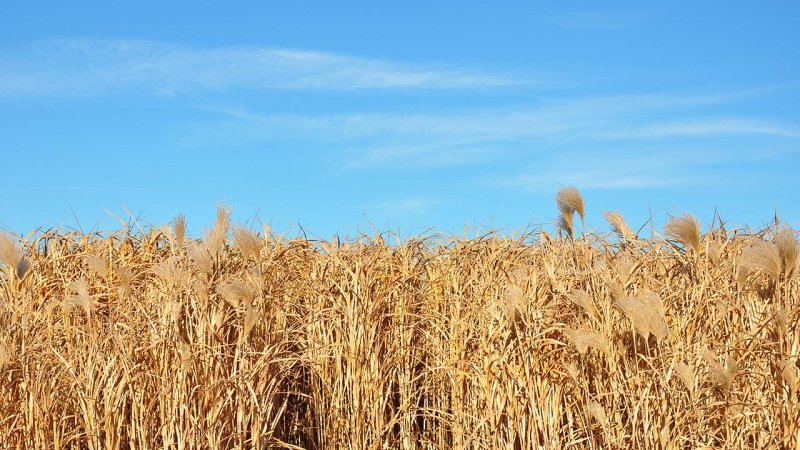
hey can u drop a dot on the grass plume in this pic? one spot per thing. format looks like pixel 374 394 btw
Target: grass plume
pixel 157 339
pixel 684 230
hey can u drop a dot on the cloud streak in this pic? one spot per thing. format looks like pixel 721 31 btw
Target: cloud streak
pixel 468 136
pixel 598 21
pixel 600 117
pixel 644 141
pixel 85 67
pixel 406 206
pixel 640 168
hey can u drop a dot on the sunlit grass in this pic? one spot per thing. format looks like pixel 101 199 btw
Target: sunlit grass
pixel 146 340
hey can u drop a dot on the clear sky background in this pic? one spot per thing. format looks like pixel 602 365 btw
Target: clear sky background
pixel 409 115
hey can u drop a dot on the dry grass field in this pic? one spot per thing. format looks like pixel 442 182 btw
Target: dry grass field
pixel 147 339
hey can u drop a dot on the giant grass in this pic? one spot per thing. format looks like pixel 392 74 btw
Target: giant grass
pixel 149 339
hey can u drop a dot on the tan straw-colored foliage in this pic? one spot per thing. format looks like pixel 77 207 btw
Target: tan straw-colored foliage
pixel 245 340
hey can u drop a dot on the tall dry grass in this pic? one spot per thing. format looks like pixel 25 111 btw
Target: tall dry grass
pixel 153 340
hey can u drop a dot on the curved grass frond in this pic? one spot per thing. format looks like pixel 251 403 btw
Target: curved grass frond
pixel 583 340
pixel 79 297
pixel 597 411
pixel 130 339
pixel 618 225
pixel 570 201
pixel 12 256
pixel 201 257
pixel 236 292
pixel 179 227
pixel 786 244
pixel 584 300
pixel 686 375
pixel 564 223
pixel 763 256
pixel 247 242
pixel 98 265
pixel 646 313
pixel 685 230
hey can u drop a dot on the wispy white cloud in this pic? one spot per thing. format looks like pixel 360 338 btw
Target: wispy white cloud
pixel 637 168
pixel 429 156
pixel 710 127
pixel 598 20
pixel 453 138
pixel 406 206
pixel 91 67
pixel 602 117
pixel 601 142
pixel 633 171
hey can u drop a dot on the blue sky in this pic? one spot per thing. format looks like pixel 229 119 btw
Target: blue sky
pixel 339 116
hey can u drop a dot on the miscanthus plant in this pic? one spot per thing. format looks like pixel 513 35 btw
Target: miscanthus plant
pixel 243 339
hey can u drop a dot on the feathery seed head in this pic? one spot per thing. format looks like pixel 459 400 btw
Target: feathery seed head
pixel 715 252
pixel 170 273
pixel 685 230
pixel 786 244
pixel 583 340
pixel 564 223
pixel 763 256
pixel 790 375
pixel 584 300
pixel 686 375
pixel 201 257
pixel 223 222
pixel 179 226
pixel 596 410
pixel 781 320
pixel 247 242
pixel 570 201
pixel 618 225
pixel 98 265
pixel 646 313
pixel 11 256
pixel 80 296
pixel 217 238
pixel 514 302
pixel 236 293
pixel 5 356
pixel 125 277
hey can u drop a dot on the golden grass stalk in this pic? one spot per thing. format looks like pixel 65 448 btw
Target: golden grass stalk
pixel 619 226
pixel 786 244
pixel 79 296
pixel 236 293
pixel 98 265
pixel 790 375
pixel 762 256
pixel 646 313
pixel 179 227
pixel 12 256
pixel 686 375
pixel 441 342
pixel 584 300
pixel 684 230
pixel 569 201
pixel 247 242
pixel 597 411
pixel 583 340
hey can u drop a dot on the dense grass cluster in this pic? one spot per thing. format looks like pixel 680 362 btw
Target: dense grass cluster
pixel 147 339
